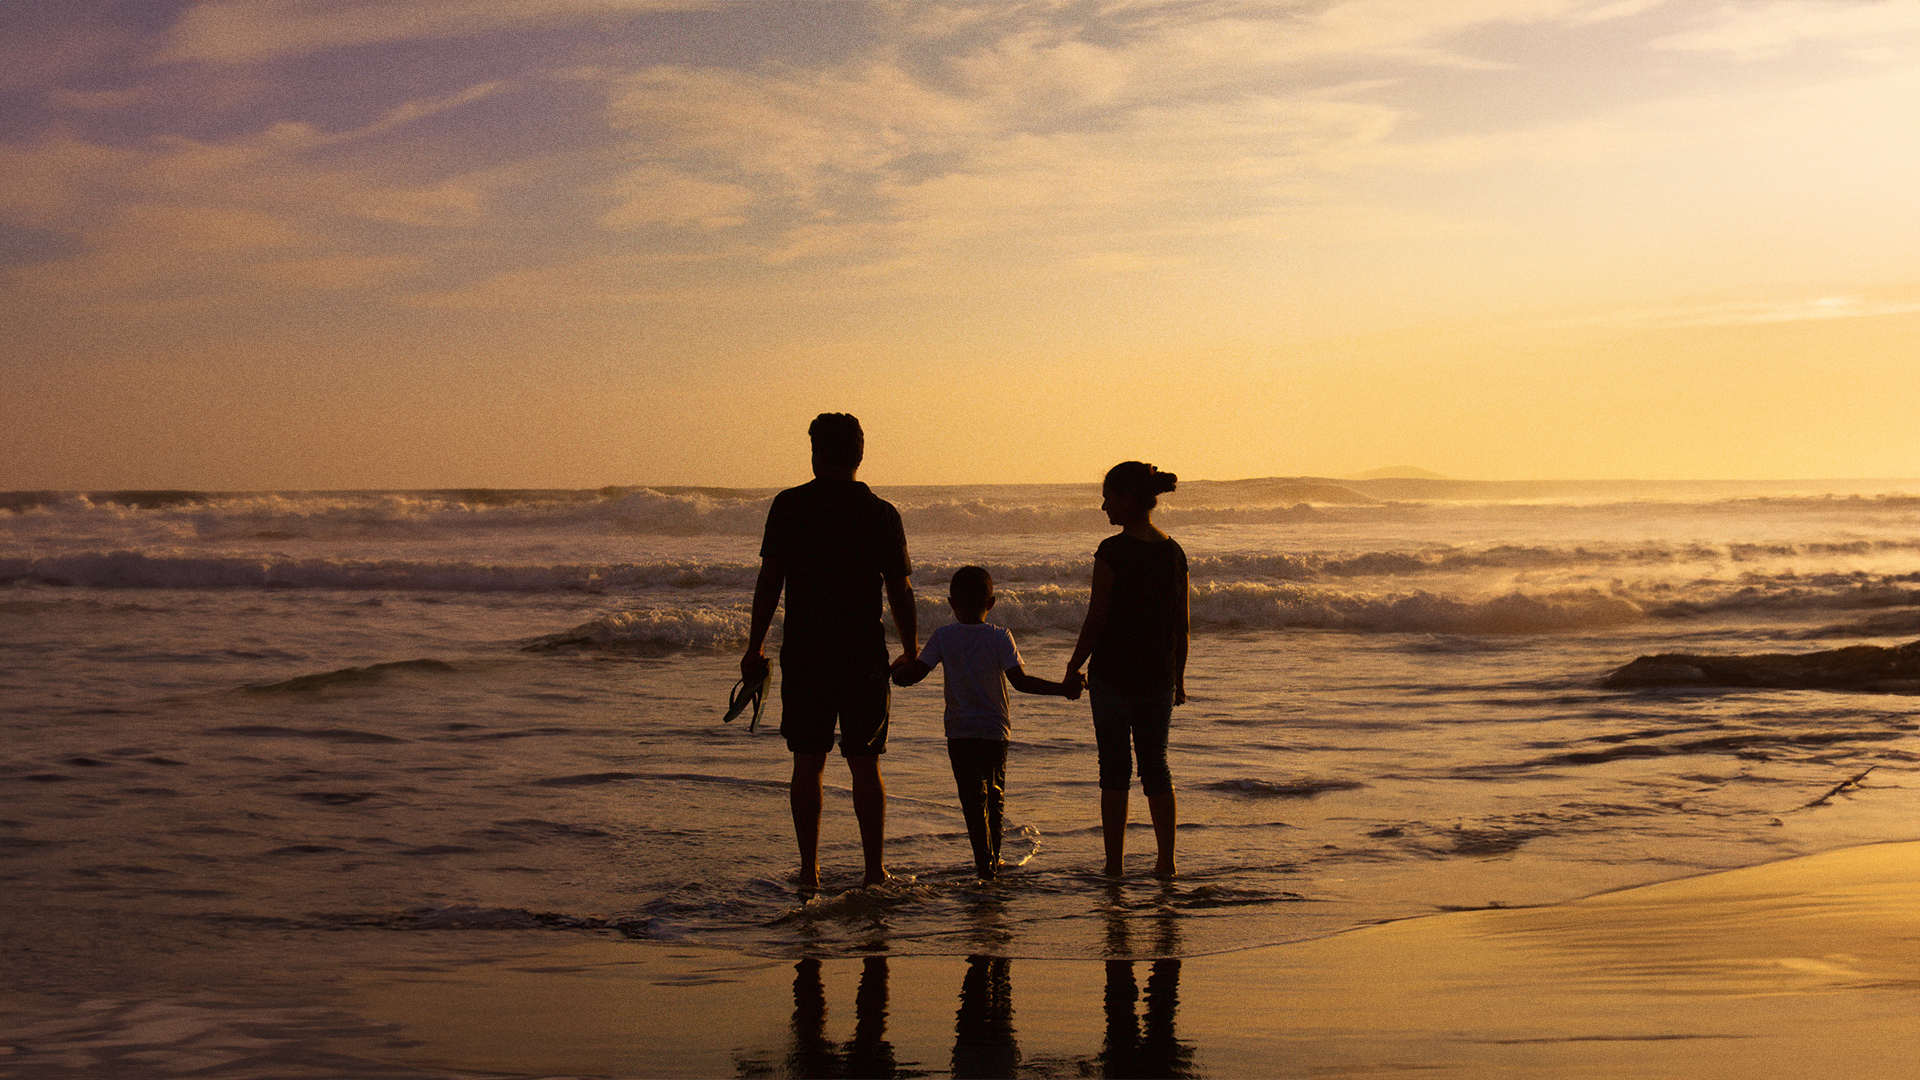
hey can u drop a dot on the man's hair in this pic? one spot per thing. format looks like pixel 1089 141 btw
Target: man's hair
pixel 971 586
pixel 838 440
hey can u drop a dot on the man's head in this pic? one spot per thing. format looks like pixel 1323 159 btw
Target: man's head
pixel 838 444
pixel 971 593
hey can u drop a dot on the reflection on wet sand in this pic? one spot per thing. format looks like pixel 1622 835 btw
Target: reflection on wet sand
pixel 1135 1043
pixel 984 1045
pixel 811 1054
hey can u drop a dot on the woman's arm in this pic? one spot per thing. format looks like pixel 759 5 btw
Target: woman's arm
pixel 1183 621
pixel 1097 605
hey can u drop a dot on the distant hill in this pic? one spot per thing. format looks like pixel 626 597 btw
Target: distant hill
pixel 1326 491
pixel 1274 491
pixel 1397 472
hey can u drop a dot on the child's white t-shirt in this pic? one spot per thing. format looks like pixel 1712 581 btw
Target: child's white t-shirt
pixel 977 656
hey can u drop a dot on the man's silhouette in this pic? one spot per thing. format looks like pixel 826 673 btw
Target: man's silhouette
pixel 834 547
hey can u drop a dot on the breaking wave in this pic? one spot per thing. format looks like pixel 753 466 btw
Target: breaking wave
pixel 652 629
pixel 155 517
pixel 1214 608
pixel 172 570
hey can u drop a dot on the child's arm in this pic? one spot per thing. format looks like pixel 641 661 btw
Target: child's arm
pixel 909 670
pixel 1027 684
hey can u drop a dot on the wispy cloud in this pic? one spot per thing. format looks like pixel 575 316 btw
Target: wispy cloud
pixel 1103 138
pixel 1874 29
pixel 243 31
pixel 1763 312
pixel 290 205
pixel 1032 128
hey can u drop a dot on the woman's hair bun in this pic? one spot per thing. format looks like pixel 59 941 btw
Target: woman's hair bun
pixel 1139 479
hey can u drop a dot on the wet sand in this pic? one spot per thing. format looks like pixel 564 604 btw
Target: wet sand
pixel 1804 968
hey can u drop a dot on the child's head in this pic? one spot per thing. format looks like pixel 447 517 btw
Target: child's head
pixel 971 593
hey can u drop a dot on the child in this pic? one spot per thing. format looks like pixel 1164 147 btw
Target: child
pixel 977 654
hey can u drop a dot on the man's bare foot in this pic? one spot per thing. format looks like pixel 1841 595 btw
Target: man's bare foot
pixel 1164 870
pixel 807 881
pixel 875 877
pixel 1113 870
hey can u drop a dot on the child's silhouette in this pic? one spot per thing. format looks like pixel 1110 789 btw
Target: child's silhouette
pixel 981 661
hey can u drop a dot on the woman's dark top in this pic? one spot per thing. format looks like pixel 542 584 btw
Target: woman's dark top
pixel 1145 614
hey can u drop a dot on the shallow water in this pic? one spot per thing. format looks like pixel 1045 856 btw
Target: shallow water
pixel 1395 710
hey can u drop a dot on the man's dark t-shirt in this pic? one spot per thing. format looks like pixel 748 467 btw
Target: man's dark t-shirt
pixel 1135 653
pixel 838 543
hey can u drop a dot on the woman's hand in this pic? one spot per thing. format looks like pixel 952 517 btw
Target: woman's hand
pixel 1179 693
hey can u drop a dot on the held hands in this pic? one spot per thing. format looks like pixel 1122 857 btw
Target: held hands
pixel 907 670
pixel 1073 684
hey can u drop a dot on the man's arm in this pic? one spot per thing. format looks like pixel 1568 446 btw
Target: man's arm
pixel 766 600
pixel 905 619
pixel 909 670
pixel 1028 684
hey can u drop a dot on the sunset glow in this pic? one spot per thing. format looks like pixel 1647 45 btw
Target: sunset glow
pixel 273 244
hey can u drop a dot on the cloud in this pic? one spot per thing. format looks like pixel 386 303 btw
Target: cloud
pixel 170 219
pixel 651 195
pixel 143 250
pixel 336 272
pixel 598 281
pixel 1885 29
pixel 1089 138
pixel 90 100
pixel 1122 137
pixel 244 31
pixel 1037 131
pixel 1763 313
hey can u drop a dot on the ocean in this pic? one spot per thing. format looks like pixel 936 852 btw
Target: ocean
pixel 490 710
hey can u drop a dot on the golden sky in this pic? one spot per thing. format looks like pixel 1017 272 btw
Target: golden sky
pixel 567 243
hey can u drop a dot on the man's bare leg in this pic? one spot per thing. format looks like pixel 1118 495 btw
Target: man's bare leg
pixel 803 792
pixel 1113 828
pixel 1162 809
pixel 870 807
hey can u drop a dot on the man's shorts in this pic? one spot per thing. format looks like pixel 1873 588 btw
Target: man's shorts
pixel 814 696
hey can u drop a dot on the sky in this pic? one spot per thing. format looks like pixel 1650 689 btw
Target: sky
pixel 307 244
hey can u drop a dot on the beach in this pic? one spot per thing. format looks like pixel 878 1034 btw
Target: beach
pixel 1805 968
pixel 435 783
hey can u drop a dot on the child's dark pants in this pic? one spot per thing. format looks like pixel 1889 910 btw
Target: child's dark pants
pixel 980 772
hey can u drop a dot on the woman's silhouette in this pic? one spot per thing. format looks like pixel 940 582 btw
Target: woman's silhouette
pixel 1136 633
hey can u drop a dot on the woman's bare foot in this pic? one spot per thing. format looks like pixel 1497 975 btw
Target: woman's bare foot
pixel 1114 871
pixel 1164 870
pixel 875 877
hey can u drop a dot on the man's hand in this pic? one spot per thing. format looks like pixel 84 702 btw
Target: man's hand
pixel 754 665
pixel 1074 682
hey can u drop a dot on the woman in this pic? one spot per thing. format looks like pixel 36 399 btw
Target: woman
pixel 1136 632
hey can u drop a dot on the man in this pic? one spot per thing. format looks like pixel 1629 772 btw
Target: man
pixel 834 546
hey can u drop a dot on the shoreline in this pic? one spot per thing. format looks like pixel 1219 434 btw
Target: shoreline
pixel 1809 959
pixel 1805 966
